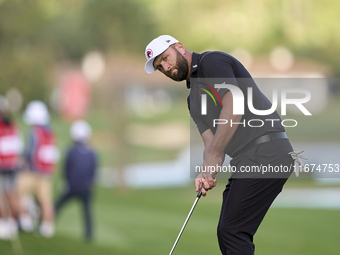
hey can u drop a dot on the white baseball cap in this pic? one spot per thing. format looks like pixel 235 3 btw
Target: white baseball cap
pixel 81 131
pixel 156 47
pixel 36 113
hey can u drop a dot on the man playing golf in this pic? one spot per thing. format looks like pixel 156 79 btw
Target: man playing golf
pixel 247 196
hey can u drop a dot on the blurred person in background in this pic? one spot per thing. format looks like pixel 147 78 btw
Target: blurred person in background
pixel 80 170
pixel 40 159
pixel 10 154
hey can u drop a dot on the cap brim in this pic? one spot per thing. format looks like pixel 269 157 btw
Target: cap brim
pixel 149 68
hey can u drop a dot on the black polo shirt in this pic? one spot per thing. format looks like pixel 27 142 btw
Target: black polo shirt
pixel 210 68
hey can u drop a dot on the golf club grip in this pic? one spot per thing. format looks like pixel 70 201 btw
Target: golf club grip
pixel 199 194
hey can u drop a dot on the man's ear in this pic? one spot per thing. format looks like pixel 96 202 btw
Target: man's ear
pixel 180 47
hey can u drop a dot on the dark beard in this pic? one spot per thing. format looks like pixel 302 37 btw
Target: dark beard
pixel 182 67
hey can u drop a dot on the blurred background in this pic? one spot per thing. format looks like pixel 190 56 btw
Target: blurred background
pixel 85 60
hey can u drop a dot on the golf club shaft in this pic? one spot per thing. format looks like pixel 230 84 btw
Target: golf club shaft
pixel 187 219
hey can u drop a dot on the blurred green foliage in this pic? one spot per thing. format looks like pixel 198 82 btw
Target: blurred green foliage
pixel 35 35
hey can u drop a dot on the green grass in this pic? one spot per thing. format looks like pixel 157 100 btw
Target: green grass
pixel 32 244
pixel 148 221
pixel 299 231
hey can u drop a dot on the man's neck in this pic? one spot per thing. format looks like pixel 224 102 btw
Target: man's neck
pixel 188 56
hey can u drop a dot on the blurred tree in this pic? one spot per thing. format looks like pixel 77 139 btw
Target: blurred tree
pixel 308 27
pixel 37 34
pixel 24 59
pixel 120 25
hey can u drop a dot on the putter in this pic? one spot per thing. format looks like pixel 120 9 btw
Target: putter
pixel 199 194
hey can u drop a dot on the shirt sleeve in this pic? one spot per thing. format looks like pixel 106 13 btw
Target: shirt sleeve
pixel 218 67
pixel 200 124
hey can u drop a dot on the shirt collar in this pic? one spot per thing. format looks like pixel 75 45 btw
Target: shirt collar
pixel 194 66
